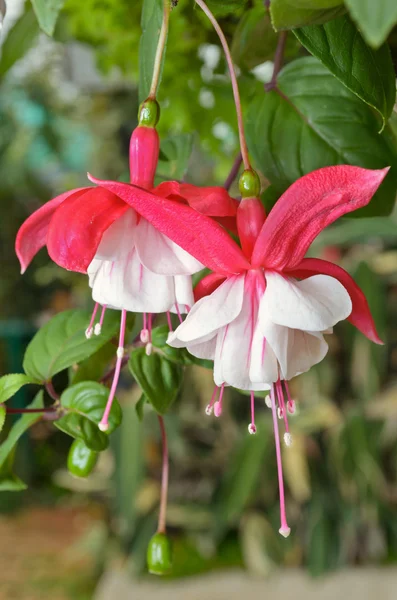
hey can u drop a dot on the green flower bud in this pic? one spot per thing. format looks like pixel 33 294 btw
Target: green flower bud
pixel 149 113
pixel 81 460
pixel 249 184
pixel 159 554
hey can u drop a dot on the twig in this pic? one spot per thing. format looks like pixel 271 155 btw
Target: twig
pixel 233 172
pixel 164 479
pixel 17 411
pixel 278 61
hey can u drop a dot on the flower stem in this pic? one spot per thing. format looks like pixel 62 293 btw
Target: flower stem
pixel 51 391
pixel 236 93
pixel 164 479
pixel 20 411
pixel 160 50
pixel 233 172
pixel 278 60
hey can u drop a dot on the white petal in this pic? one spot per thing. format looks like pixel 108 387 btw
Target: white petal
pixel 118 239
pixel 212 312
pixel 314 304
pixel 264 367
pixel 127 284
pixel 297 351
pixel 160 255
pixel 205 349
pixel 183 293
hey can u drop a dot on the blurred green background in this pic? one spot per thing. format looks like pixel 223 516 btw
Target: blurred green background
pixel 68 105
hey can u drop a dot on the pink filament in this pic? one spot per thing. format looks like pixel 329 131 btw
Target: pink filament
pixel 284 524
pixel 102 315
pixel 169 321
pixel 104 420
pixel 144 321
pixel 150 326
pixel 280 397
pixel 94 312
pixel 253 409
pixel 178 312
pixel 218 405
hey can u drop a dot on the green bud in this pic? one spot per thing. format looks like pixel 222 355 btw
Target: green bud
pixel 249 184
pixel 149 113
pixel 81 460
pixel 159 554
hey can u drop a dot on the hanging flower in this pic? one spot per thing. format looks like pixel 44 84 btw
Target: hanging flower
pixel 131 265
pixel 261 316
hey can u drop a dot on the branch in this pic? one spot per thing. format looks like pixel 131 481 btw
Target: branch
pixel 278 61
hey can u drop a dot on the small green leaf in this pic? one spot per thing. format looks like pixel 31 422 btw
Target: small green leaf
pixel 10 384
pixel 3 414
pixel 140 406
pixel 316 122
pixel 9 481
pixel 223 8
pixel 62 343
pixel 288 14
pixel 19 40
pixel 94 367
pixel 85 403
pixel 178 355
pixel 255 25
pixel 158 377
pixel 375 18
pixel 176 151
pixel 47 12
pixel 367 73
pixel 152 17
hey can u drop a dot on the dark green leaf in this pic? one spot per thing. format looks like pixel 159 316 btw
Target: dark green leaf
pixel 288 14
pixel 316 122
pixel 85 403
pixel 94 367
pixel 152 17
pixel 178 355
pixel 367 73
pixel 140 406
pixel 19 40
pixel 9 481
pixel 62 343
pixel 254 40
pixel 222 8
pixel 10 384
pixel 47 12
pixel 176 151
pixel 375 18
pixel 3 414
pixel 158 377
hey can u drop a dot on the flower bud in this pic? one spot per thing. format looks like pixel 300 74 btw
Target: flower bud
pixel 249 184
pixel 159 554
pixel 81 459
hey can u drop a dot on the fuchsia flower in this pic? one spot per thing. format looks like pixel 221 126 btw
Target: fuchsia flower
pixel 131 265
pixel 262 314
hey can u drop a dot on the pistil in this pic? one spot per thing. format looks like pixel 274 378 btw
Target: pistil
pixel 284 529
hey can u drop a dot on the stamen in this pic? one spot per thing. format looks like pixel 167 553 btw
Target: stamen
pixel 90 329
pixel 169 321
pixel 268 401
pixel 148 348
pixel 104 424
pixel 283 411
pixel 98 326
pixel 218 405
pixel 209 408
pixel 144 336
pixel 284 529
pixel 178 312
pixel 291 404
pixel 288 439
pixel 252 426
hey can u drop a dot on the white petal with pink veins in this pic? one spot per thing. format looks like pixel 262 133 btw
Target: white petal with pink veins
pixel 297 351
pixel 263 368
pixel 314 304
pixel 159 254
pixel 127 284
pixel 183 293
pixel 212 312
pixel 119 239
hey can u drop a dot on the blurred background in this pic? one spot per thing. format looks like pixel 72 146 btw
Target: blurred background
pixel 68 105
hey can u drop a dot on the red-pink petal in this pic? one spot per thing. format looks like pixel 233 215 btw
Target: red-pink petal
pixel 360 316
pixel 207 285
pixel 251 216
pixel 307 207
pixel 211 201
pixel 77 226
pixel 32 235
pixel 144 155
pixel 199 235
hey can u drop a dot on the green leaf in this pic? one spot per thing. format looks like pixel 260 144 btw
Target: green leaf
pixel 152 17
pixel 10 384
pixel 367 73
pixel 9 481
pixel 62 343
pixel 140 406
pixel 316 122
pixel 375 18
pixel 95 366
pixel 255 25
pixel 175 153
pixel 3 414
pixel 158 377
pixel 19 40
pixel 85 403
pixel 288 14
pixel 178 355
pixel 47 12
pixel 222 8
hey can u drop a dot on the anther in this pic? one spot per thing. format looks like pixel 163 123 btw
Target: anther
pixel 268 401
pixel 103 426
pixel 148 348
pixel 288 439
pixel 251 428
pixel 280 413
pixel 284 531
pixel 218 408
pixel 88 333
pixel 144 336
pixel 209 410
pixel 291 407
pixel 120 352
pixel 98 329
